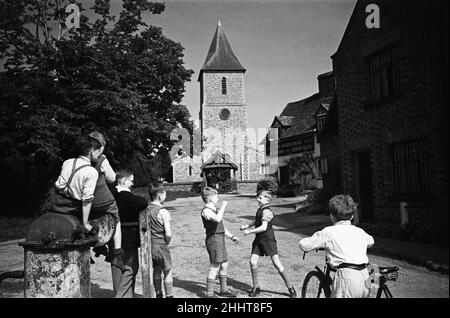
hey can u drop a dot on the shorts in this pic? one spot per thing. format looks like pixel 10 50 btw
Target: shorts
pixel 350 283
pixel 111 209
pixel 264 248
pixel 161 256
pixel 215 245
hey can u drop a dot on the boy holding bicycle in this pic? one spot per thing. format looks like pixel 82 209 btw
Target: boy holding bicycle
pixel 346 249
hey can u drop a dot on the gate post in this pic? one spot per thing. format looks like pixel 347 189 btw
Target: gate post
pixel 145 255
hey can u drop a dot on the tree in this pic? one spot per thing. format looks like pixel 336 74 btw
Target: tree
pixel 117 75
pixel 302 171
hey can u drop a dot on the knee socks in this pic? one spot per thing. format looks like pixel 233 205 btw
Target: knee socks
pixel 157 284
pixel 168 288
pixel 254 271
pixel 223 283
pixel 210 286
pixel 285 278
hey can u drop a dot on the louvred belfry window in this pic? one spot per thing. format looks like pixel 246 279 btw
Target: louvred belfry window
pixel 224 86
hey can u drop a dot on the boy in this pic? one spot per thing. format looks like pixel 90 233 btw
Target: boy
pixel 215 242
pixel 73 192
pixel 161 235
pixel 104 203
pixel 130 206
pixel 265 242
pixel 346 247
pixel 74 189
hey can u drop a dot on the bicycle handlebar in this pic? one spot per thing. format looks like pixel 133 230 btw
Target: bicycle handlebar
pixel 317 250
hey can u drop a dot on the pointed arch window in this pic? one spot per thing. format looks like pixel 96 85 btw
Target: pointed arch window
pixel 224 86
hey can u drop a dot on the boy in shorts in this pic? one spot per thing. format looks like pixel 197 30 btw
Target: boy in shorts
pixel 264 243
pixel 346 249
pixel 161 235
pixel 215 242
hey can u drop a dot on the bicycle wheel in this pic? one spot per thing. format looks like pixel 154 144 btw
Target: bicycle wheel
pixel 313 286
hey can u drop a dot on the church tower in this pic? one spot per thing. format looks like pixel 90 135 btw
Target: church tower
pixel 226 151
pixel 223 111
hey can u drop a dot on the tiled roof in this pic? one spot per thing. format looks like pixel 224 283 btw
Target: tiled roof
pixel 303 113
pixel 220 56
pixel 219 160
pixel 285 120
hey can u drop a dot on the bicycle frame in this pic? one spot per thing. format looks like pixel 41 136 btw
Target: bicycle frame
pixel 384 288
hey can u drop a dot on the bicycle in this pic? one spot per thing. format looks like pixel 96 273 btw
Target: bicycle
pixel 317 283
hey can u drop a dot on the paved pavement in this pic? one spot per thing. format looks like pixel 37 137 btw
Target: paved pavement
pixel 191 261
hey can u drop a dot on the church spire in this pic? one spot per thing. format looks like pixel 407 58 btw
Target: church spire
pixel 220 56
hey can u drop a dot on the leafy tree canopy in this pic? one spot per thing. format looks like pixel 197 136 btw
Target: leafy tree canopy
pixel 114 74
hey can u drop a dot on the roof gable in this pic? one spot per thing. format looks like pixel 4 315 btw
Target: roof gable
pixel 303 113
pixel 219 160
pixel 220 56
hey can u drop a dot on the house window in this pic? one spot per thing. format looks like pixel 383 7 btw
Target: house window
pixel 320 122
pixel 384 75
pixel 411 168
pixel 190 170
pixel 322 167
pixel 261 169
pixel 224 86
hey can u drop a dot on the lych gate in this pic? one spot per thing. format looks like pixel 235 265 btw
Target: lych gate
pixel 216 173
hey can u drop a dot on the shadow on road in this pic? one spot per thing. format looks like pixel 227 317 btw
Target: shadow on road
pixel 297 223
pixel 191 286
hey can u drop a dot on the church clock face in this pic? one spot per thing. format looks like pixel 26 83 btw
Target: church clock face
pixel 224 114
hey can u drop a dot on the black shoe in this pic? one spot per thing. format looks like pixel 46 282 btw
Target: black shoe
pixel 254 292
pixel 159 295
pixel 171 296
pixel 227 293
pixel 292 292
pixel 100 250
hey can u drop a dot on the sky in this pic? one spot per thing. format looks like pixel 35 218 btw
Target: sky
pixel 283 44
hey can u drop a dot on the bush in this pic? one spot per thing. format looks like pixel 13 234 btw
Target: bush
pixel 415 232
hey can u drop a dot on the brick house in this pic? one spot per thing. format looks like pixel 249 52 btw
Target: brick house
pixel 392 111
pixel 298 126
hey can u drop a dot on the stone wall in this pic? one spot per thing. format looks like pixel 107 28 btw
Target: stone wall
pixel 213 88
pixel 247 186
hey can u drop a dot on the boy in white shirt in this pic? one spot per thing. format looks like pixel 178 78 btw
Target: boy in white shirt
pixel 346 249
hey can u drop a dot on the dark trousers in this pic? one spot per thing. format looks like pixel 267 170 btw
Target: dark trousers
pixel 124 283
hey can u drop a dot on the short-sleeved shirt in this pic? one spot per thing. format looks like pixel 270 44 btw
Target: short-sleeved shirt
pixel 163 215
pixel 208 213
pixel 106 168
pixel 83 182
pixel 343 243
pixel 267 215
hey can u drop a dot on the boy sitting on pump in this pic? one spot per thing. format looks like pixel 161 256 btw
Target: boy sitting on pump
pixel 346 247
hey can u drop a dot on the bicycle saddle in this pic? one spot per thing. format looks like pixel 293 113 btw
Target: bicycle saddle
pixel 388 270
